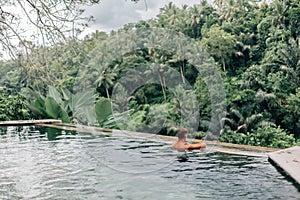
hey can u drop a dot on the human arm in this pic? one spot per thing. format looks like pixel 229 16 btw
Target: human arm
pixel 196 146
pixel 180 146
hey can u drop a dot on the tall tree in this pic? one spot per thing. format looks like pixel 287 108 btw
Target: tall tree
pixel 291 119
pixel 219 44
pixel 279 9
pixel 289 56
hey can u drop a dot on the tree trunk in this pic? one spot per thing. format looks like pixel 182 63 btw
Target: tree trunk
pixel 224 66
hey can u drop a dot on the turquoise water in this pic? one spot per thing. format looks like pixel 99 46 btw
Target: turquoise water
pixel 53 164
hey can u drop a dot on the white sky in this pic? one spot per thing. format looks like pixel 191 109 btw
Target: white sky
pixel 114 14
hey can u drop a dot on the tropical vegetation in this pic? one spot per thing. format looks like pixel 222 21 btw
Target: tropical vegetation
pixel 255 48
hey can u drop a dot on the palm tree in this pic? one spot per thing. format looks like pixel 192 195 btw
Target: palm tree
pixel 219 4
pixel 267 100
pixel 239 123
pixel 225 9
pixel 289 56
pixel 169 13
pixel 173 17
pixel 279 10
pixel 194 21
pixel 106 80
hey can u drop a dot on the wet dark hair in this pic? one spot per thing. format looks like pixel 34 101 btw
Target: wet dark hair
pixel 181 132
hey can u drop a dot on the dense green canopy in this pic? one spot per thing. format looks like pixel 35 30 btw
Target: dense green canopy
pixel 256 52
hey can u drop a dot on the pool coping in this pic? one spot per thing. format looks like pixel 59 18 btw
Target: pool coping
pixel 222 147
pixel 29 122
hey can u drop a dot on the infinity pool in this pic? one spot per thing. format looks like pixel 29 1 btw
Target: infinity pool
pixel 53 164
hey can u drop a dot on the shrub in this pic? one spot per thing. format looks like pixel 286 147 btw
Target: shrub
pixel 13 106
pixel 233 137
pixel 271 137
pixel 266 136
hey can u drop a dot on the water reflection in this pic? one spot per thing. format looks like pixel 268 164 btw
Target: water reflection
pixel 55 134
pixel 51 164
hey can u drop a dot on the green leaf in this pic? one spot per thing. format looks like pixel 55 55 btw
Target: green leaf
pixel 55 95
pixel 103 109
pixel 90 115
pixel 81 100
pixel 35 110
pixel 65 117
pixel 66 94
pixel 37 95
pixel 82 107
pixel 52 107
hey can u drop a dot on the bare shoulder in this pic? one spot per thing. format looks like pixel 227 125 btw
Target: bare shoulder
pixel 180 146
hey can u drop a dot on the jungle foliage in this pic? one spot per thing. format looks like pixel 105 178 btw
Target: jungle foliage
pixel 255 45
pixel 12 106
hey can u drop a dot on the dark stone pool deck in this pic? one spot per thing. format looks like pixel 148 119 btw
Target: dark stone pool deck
pixel 289 161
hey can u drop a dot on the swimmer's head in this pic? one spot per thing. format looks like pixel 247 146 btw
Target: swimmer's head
pixel 181 133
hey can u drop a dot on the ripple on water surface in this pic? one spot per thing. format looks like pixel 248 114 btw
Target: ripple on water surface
pixel 54 164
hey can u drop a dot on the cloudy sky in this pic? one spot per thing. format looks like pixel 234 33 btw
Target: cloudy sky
pixel 113 14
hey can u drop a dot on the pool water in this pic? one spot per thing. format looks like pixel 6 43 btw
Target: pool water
pixel 54 164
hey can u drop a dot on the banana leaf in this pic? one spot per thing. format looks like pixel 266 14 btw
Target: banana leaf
pixel 103 109
pixel 64 116
pixel 55 95
pixel 66 93
pixel 52 107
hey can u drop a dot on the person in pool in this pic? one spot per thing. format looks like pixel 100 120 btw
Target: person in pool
pixel 182 145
